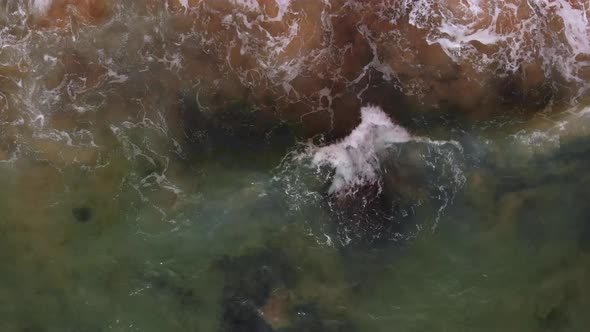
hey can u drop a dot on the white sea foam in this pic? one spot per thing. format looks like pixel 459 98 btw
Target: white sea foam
pixel 184 3
pixel 283 6
pixel 573 123
pixel 40 6
pixel 251 5
pixel 355 158
pixel 553 32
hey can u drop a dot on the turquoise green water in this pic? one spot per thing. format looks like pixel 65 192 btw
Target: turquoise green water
pixel 511 253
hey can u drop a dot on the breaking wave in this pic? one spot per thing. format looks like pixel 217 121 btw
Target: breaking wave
pixel 376 181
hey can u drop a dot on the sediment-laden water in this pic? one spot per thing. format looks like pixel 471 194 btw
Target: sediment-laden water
pixel 290 165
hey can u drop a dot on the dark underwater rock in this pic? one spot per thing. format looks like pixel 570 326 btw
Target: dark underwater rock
pixel 367 216
pixel 286 287
pixel 249 281
pixel 555 320
pixel 243 317
pixel 82 214
pixel 176 289
pixel 416 182
pixel 234 131
pixel 553 304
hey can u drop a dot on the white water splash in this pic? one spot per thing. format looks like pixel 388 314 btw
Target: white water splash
pixel 355 158
pixel 40 6
pixel 371 157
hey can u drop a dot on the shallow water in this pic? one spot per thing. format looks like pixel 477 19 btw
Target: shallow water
pixel 206 166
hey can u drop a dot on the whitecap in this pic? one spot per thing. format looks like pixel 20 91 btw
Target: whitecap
pixel 355 158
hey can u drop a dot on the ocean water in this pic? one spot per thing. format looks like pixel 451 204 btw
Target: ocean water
pixel 288 165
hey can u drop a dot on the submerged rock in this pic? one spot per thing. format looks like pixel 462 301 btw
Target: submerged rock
pixel 242 317
pixel 82 214
pixel 288 286
pixel 250 280
pixel 555 319
pixel 233 129
pixel 276 308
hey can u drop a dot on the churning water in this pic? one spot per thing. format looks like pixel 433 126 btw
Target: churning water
pixel 292 165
